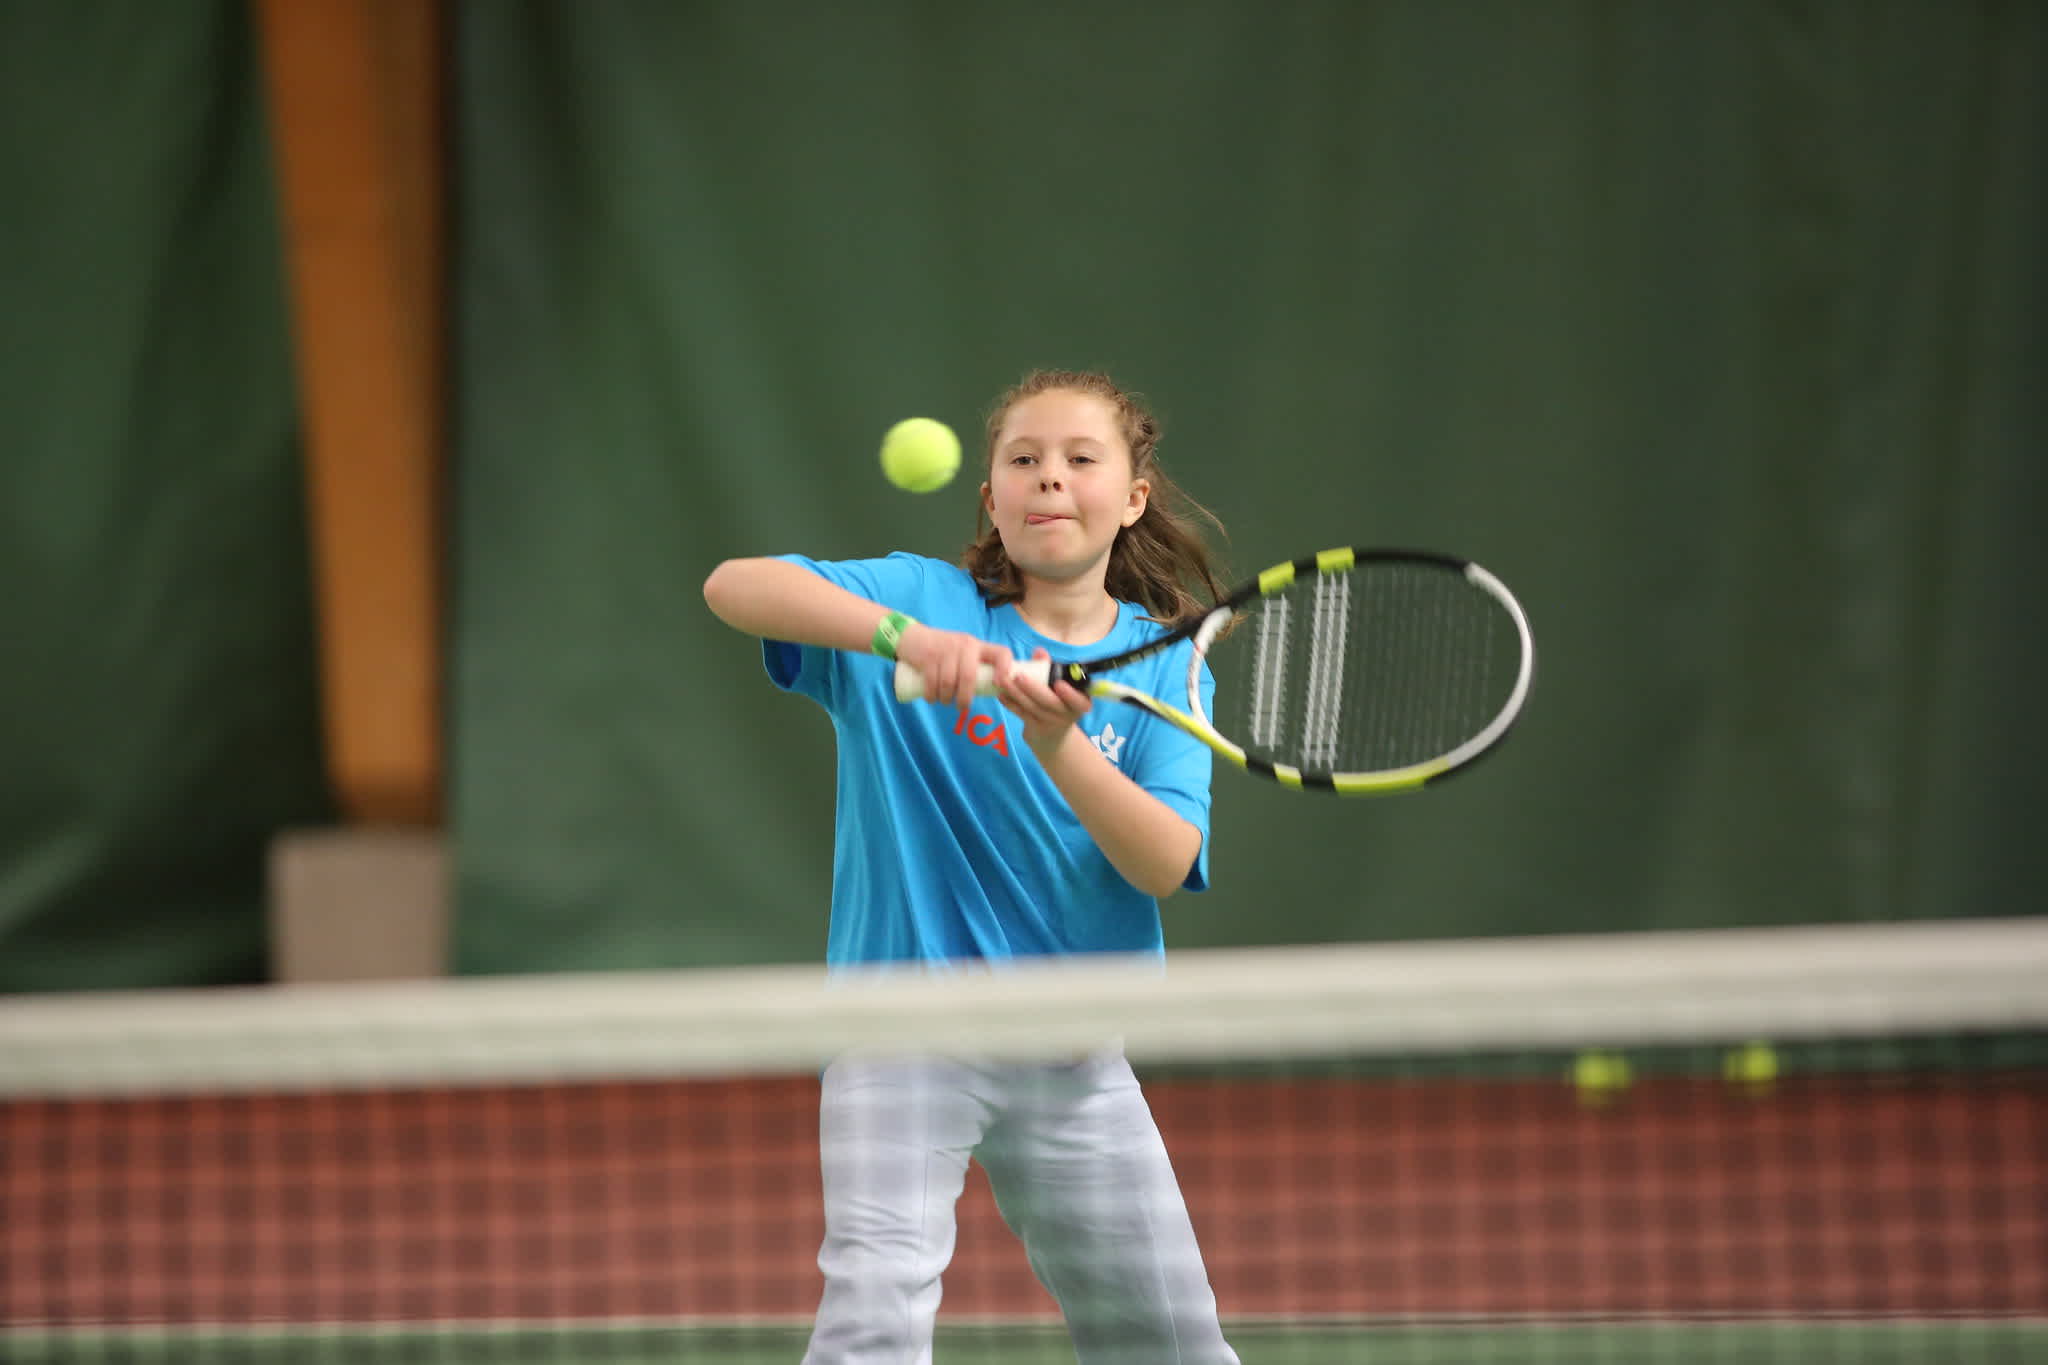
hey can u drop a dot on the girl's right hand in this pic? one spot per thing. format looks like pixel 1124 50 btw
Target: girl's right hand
pixel 950 662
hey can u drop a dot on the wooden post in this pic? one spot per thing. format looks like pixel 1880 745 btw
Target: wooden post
pixel 355 92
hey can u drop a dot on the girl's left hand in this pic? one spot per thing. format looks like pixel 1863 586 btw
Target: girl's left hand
pixel 1048 713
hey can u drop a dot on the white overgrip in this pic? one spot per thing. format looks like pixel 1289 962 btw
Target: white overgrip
pixel 910 682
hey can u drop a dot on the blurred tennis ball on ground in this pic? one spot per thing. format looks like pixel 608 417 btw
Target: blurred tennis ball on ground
pixel 1753 1067
pixel 920 455
pixel 1601 1077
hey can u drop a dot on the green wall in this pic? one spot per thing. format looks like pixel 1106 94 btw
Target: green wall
pixel 157 715
pixel 1715 329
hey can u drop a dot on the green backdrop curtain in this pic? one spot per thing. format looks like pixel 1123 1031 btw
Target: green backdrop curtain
pixel 1715 329
pixel 156 704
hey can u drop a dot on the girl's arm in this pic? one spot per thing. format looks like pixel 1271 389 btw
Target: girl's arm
pixel 778 600
pixel 1144 838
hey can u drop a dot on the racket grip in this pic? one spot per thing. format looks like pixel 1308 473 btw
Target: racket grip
pixel 910 682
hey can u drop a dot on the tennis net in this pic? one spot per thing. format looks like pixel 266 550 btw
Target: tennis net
pixel 1792 1145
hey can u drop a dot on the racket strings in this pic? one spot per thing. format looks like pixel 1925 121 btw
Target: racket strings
pixel 1397 664
pixel 1323 706
pixel 1266 720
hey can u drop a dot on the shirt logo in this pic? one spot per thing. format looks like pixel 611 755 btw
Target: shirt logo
pixel 1110 743
pixel 986 731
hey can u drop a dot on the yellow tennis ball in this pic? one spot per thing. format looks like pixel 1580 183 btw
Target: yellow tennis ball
pixel 1754 1065
pixel 920 455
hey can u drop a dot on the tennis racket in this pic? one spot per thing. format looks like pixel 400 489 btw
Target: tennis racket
pixel 1359 672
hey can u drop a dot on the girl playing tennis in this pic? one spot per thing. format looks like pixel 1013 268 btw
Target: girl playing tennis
pixel 983 830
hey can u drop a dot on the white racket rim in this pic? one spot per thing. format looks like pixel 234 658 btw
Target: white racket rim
pixel 1479 743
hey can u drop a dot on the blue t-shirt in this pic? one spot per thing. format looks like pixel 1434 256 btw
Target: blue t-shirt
pixel 953 844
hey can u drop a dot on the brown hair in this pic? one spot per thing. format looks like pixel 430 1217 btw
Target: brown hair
pixel 1157 560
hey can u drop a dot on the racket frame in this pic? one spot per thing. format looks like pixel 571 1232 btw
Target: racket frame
pixel 1202 632
pixel 1379 782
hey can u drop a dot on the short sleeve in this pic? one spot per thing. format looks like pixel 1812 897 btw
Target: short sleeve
pixel 900 581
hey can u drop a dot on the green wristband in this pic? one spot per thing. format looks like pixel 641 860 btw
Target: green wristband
pixel 889 632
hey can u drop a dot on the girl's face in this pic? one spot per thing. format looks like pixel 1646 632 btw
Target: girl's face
pixel 1059 486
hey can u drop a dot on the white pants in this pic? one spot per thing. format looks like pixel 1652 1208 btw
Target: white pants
pixel 1079 1173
